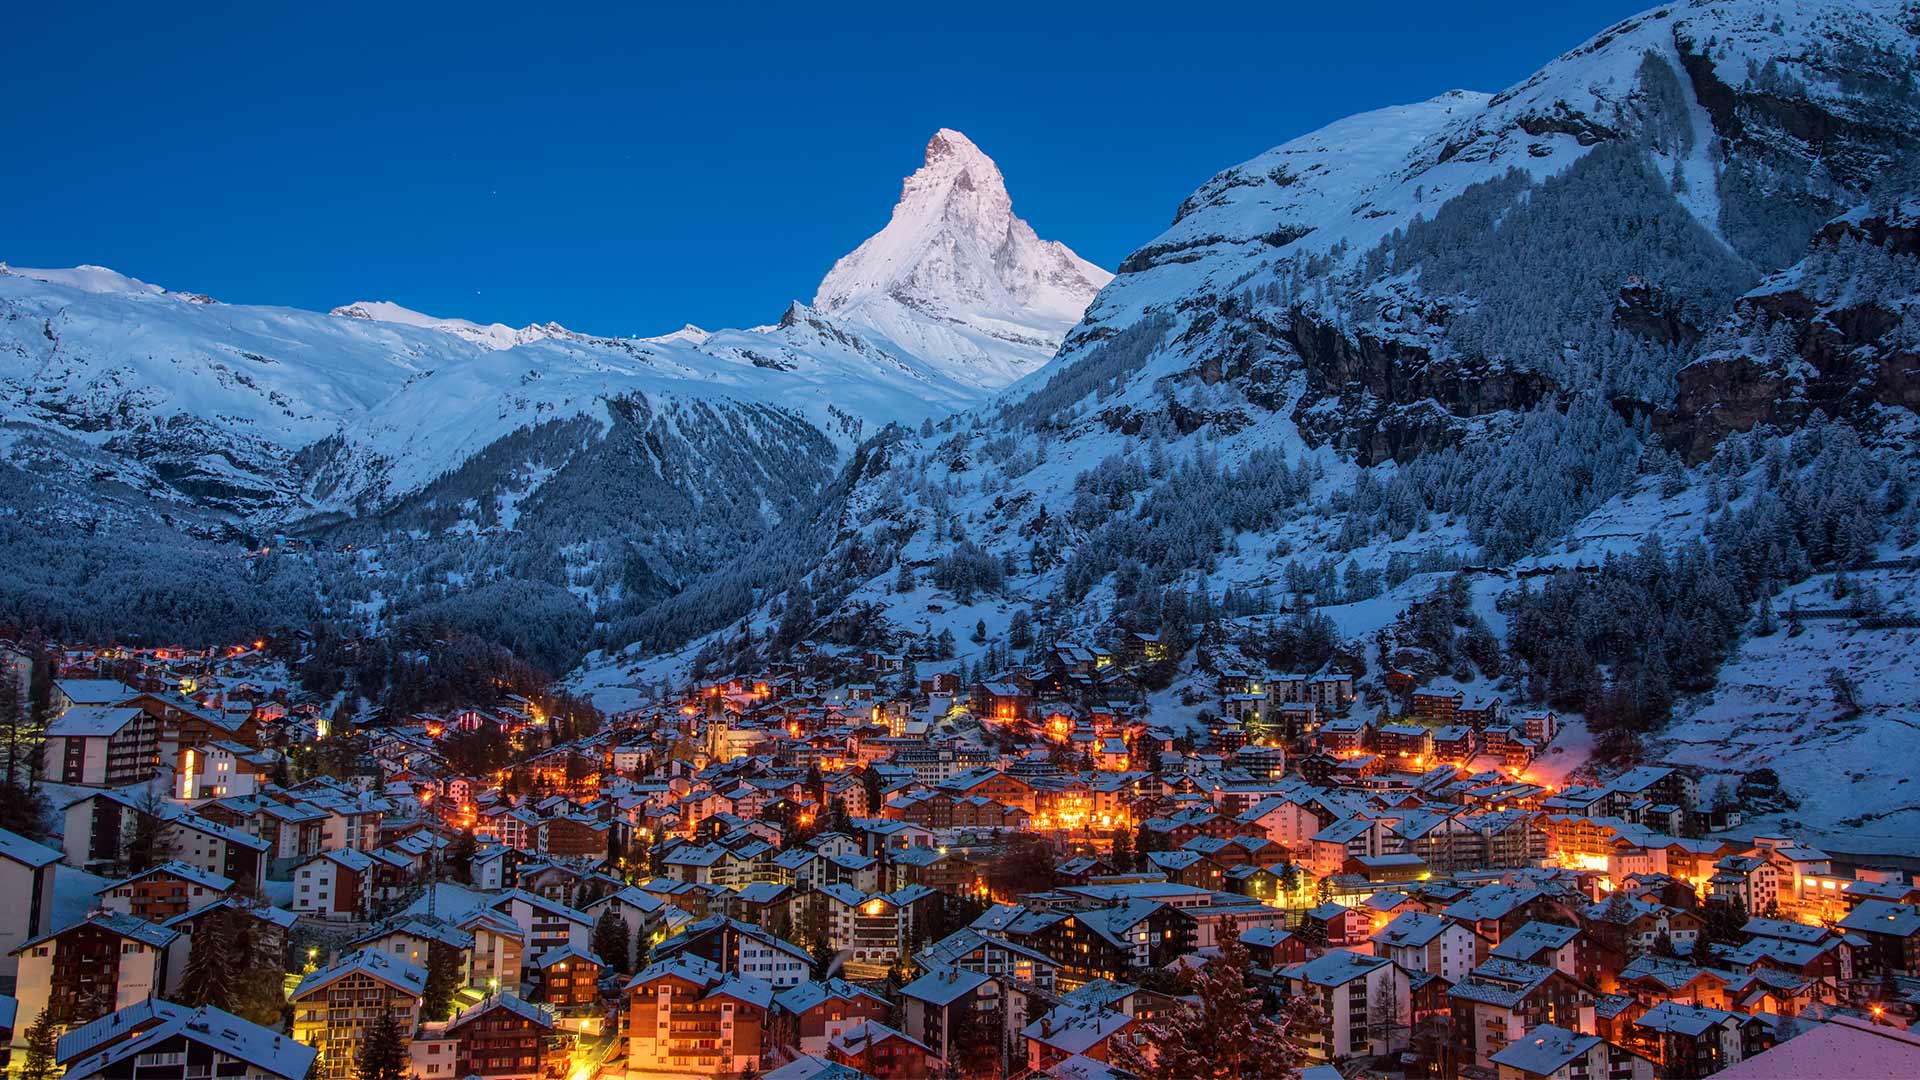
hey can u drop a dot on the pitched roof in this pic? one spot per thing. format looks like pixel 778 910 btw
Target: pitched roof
pixel 1335 968
pixel 944 986
pixel 1544 1050
pixel 391 970
pixel 95 721
pixel 263 1048
pixel 1881 917
pixel 1843 1046
pixel 810 994
pixel 511 1002
pixel 22 850
pixel 177 869
pixel 115 1025
pixel 1415 929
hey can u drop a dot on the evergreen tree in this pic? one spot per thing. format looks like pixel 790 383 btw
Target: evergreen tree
pixel 460 857
pixel 974 1042
pixel 1020 630
pixel 443 980
pixel 1222 1029
pixel 838 820
pixel 214 964
pixel 383 1051
pixel 263 992
pixel 41 1039
pixel 611 941
pixel 13 718
pixel 1721 921
pixel 24 810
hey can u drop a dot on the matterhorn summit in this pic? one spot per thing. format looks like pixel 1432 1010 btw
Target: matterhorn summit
pixel 956 280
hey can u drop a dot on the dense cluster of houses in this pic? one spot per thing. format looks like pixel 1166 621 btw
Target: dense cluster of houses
pixel 863 864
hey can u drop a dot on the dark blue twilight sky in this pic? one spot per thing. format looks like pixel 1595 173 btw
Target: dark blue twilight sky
pixel 629 170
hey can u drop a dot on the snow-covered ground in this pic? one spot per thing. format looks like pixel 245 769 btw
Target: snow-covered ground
pixel 1856 774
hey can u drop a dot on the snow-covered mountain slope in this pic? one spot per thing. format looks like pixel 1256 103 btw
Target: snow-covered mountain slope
pixel 1842 747
pixel 956 280
pixel 1419 339
pixel 273 415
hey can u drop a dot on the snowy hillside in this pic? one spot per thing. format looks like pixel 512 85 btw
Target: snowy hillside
pixel 597 475
pixel 1847 765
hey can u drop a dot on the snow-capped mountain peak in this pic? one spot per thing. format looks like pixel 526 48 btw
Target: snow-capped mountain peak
pixel 957 279
pixel 491 335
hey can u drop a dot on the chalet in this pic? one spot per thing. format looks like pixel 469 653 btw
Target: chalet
pixel 740 949
pixel 1002 702
pixel 935 1003
pixel 1419 942
pixel 1551 1052
pixel 812 1014
pixel 104 962
pixel 1345 736
pixel 499 944
pixel 685 1014
pixel 1892 932
pixel 1271 948
pixel 1107 942
pixel 544 924
pixel 569 978
pixel 989 953
pixel 1494 911
pixel 1455 742
pixel 102 746
pixel 204 1042
pixel 334 1006
pixel 413 938
pixel 503 1038
pixel 875 1049
pixel 1690 1040
pixel 1075 1030
pixel 1336 925
pixel 1404 741
pixel 1500 1000
pixel 221 768
pixel 1478 714
pixel 869 924
pixel 1437 706
pixel 172 888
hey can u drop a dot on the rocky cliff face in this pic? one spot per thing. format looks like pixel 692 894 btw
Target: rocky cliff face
pixel 1836 332
pixel 1386 399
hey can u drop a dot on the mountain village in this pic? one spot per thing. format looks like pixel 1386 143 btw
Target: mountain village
pixel 861 863
pixel 1443 609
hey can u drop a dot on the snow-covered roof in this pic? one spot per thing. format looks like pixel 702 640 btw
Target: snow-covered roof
pixel 1843 1046
pixel 264 1049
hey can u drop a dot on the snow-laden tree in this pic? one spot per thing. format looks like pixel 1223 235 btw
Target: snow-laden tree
pixel 1221 1029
